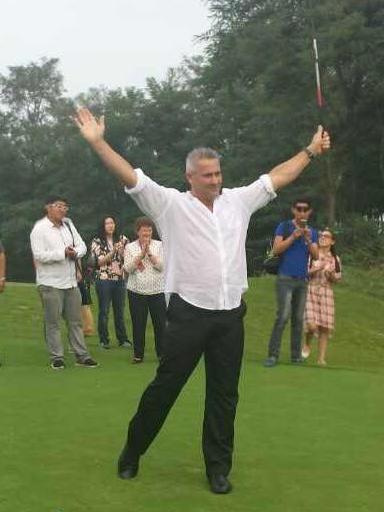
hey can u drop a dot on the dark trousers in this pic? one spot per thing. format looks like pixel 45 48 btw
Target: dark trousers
pixel 291 296
pixel 138 307
pixel 191 332
pixel 109 291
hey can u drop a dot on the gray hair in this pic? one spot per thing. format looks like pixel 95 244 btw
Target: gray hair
pixel 199 154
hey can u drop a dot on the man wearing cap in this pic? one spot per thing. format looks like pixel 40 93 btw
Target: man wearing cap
pixel 56 247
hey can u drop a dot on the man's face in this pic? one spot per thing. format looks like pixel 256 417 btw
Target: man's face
pixel 57 211
pixel 301 212
pixel 206 179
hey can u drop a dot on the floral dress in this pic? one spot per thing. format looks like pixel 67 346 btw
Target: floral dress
pixel 320 305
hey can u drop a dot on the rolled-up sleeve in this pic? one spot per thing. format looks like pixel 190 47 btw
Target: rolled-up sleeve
pixel 152 198
pixel 257 194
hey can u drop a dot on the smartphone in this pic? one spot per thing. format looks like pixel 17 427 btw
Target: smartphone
pixel 303 223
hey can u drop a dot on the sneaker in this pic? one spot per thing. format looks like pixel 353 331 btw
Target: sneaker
pixel 58 364
pixel 137 360
pixel 87 363
pixel 270 361
pixel 126 344
pixel 105 346
pixel 297 360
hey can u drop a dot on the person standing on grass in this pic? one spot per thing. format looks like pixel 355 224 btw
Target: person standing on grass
pixel 203 233
pixel 143 262
pixel 319 318
pixel 56 247
pixel 3 277
pixel 2 269
pixel 108 249
pixel 295 242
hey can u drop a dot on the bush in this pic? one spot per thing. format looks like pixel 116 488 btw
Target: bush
pixel 360 242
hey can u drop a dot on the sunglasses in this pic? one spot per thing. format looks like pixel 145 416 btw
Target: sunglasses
pixel 303 209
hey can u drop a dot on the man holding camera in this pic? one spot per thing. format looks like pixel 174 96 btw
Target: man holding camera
pixel 56 247
pixel 295 242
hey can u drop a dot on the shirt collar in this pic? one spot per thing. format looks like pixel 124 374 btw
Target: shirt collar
pixel 52 225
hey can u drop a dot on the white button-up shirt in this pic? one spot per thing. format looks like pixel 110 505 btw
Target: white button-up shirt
pixel 48 244
pixel 204 251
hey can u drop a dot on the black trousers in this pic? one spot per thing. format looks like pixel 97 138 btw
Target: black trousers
pixel 138 306
pixel 191 332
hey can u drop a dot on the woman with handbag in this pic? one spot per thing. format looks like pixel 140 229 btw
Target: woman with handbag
pixel 319 318
pixel 108 248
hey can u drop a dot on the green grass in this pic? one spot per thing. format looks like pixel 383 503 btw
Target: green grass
pixel 307 438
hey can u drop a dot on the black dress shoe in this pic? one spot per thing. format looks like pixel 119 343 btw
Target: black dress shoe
pixel 219 484
pixel 128 464
pixel 129 471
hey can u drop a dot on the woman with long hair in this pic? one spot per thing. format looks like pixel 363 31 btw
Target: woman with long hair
pixel 108 248
pixel 319 315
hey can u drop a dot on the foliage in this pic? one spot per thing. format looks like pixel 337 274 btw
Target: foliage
pixel 360 241
pixel 260 73
pixel 251 96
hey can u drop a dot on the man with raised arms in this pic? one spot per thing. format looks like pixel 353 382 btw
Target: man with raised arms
pixel 203 233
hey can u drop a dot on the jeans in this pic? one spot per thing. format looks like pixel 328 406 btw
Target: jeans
pixel 109 291
pixel 291 294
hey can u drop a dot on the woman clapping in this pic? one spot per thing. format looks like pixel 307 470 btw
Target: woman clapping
pixel 143 261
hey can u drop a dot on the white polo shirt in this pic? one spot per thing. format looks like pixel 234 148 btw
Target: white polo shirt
pixel 204 251
pixel 48 243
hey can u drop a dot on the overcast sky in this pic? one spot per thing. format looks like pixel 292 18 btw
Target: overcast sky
pixel 115 43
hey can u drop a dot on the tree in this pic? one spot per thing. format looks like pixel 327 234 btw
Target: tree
pixel 260 74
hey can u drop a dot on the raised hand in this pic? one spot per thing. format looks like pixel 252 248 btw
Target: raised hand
pixel 91 129
pixel 321 142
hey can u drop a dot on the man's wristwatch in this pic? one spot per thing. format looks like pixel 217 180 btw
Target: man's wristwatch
pixel 309 153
